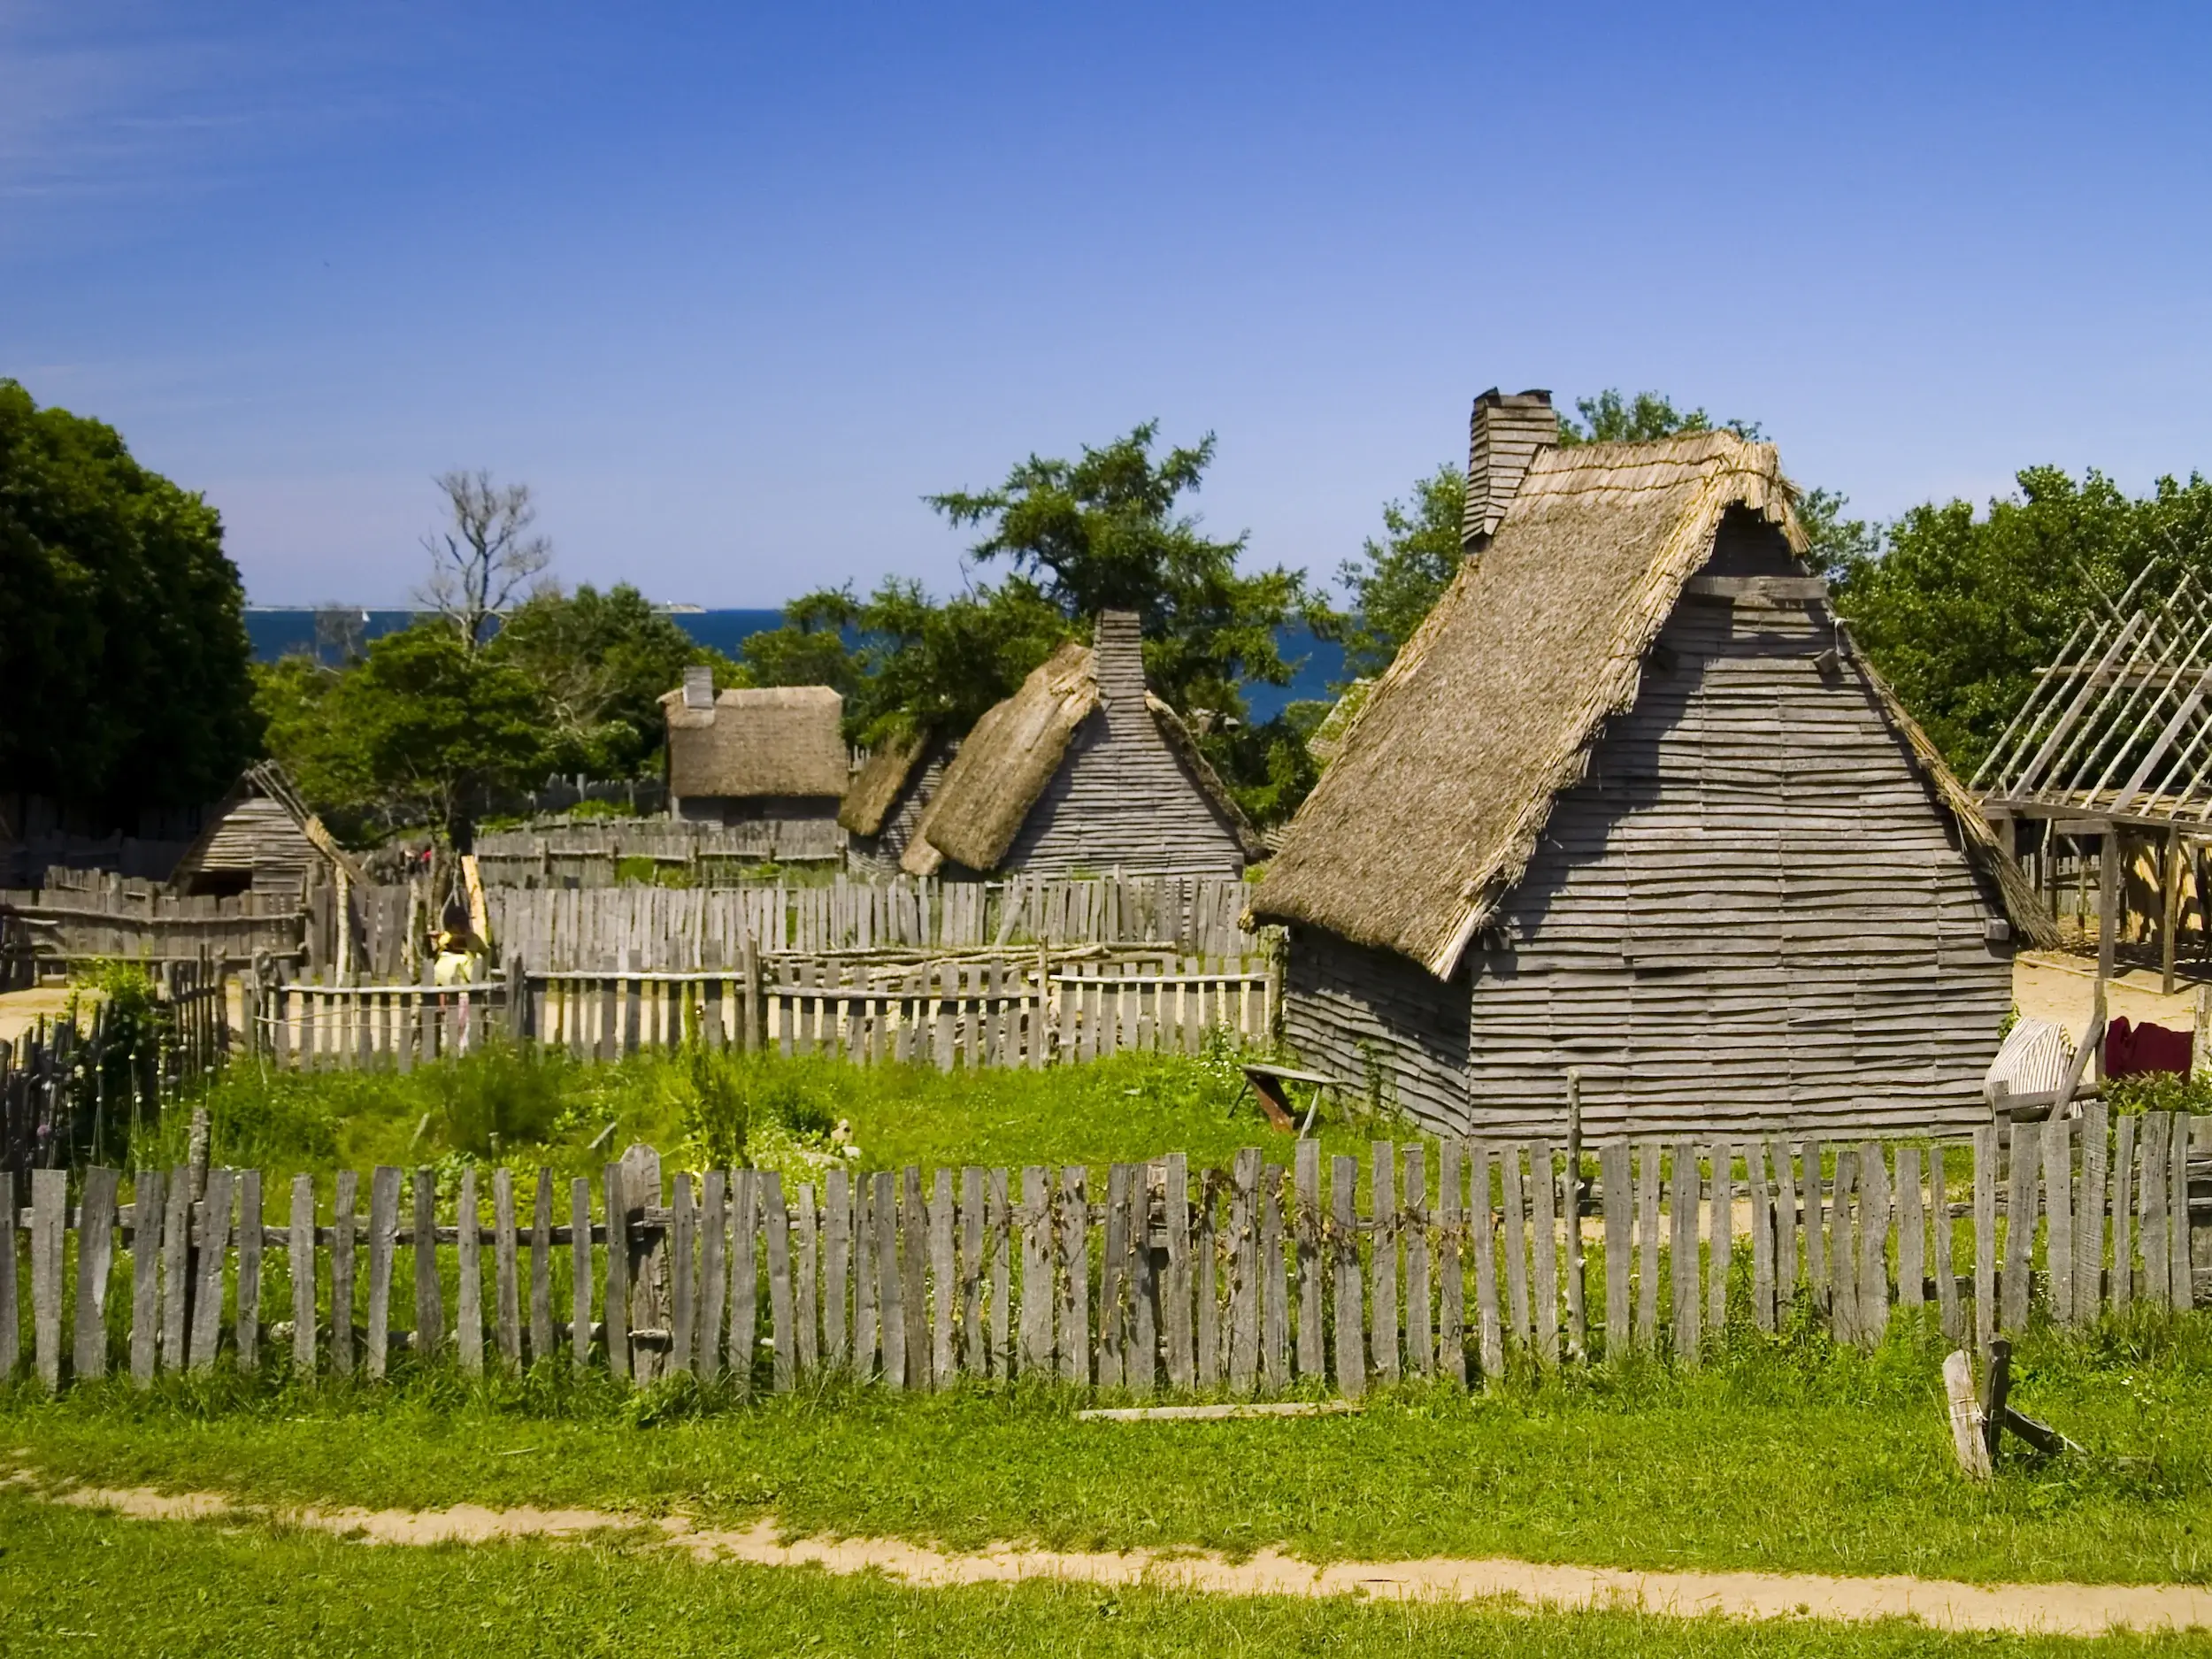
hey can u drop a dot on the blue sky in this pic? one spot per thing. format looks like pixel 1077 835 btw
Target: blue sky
pixel 733 287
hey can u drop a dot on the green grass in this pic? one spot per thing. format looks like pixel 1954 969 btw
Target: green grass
pixel 547 1109
pixel 1784 1455
pixel 84 1582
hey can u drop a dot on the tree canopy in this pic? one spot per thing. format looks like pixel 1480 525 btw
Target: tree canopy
pixel 123 648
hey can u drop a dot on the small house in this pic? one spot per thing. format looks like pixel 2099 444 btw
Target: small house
pixel 765 755
pixel 1630 807
pixel 888 796
pixel 260 838
pixel 1083 770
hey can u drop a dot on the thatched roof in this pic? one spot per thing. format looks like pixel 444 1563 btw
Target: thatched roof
pixel 878 785
pixel 1003 766
pixel 1327 741
pixel 1431 811
pixel 764 741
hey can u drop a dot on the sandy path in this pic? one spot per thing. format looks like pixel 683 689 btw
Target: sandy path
pixel 2074 1610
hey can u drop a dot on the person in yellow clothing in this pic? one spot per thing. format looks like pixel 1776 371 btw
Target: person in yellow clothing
pixel 456 954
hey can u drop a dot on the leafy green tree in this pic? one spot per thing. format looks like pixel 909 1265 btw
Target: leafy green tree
pixel 123 649
pixel 599 663
pixel 809 649
pixel 1959 611
pixel 1397 580
pixel 422 730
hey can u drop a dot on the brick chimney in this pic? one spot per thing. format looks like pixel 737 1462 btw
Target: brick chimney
pixel 1503 436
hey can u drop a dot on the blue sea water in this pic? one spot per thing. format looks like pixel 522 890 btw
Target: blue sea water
pixel 280 630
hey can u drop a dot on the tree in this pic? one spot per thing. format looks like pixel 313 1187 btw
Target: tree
pixel 422 729
pixel 124 661
pixel 486 558
pixel 1396 581
pixel 599 663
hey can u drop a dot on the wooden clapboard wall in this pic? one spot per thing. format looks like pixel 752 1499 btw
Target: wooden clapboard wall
pixel 1444 1259
pixel 1751 915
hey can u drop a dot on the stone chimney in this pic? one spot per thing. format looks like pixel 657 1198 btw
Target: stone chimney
pixel 1502 437
pixel 699 687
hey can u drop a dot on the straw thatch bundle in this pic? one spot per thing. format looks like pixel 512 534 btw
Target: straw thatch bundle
pixel 876 788
pixel 1003 766
pixel 771 740
pixel 1432 808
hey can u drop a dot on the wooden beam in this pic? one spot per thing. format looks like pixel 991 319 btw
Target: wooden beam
pixel 2170 921
pixel 1757 590
pixel 2108 923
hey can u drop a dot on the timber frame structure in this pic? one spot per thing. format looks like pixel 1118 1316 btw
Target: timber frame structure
pixel 2116 740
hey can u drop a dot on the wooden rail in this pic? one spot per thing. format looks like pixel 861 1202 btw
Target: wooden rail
pixel 1442 1259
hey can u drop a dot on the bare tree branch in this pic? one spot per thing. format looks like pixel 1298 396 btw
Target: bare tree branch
pixel 487 559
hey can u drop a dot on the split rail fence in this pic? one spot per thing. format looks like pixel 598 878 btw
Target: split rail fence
pixel 952 1013
pixel 1248 1280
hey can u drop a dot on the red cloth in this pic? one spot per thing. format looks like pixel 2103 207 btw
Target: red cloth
pixel 2131 1050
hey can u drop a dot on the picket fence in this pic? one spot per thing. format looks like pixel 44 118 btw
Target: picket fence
pixel 677 929
pixel 1250 1279
pixel 83 915
pixel 950 1013
pixel 590 853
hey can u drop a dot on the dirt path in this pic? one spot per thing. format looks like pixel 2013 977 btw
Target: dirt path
pixel 2074 1610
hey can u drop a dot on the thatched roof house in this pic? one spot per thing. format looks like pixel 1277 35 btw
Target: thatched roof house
pixel 261 837
pixel 1630 802
pixel 888 796
pixel 753 753
pixel 1083 769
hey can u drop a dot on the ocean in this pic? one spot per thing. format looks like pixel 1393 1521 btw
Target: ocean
pixel 278 631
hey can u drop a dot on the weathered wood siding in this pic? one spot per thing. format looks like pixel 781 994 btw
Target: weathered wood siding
pixel 1380 1021
pixel 882 850
pixel 1751 913
pixel 258 844
pixel 1122 799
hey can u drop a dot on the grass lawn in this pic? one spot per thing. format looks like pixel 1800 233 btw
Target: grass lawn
pixel 1787 1455
pixel 81 1582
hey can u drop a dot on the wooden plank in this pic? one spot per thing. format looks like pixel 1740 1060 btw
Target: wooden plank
pixel 580 1272
pixel 299 1261
pixel 176 1269
pixel 805 1281
pixel 1073 1227
pixel 867 1321
pixel 998 1227
pixel 615 1195
pixel 714 1274
pixel 1949 1310
pixel 1811 1222
pixel 1649 1155
pixel 782 1320
pixel 2124 1156
pixel 944 1307
pixel 1515 1248
pixel 1210 1343
pixel 1351 1359
pixel 1141 1349
pixel 1874 1222
pixel 2089 1223
pixel 2019 1226
pixel 1451 1291
pixel 1720 1237
pixel 1912 1233
pixel 468 1301
pixel 1489 1334
pixel 683 1275
pixel 1618 1199
pixel 1786 1270
pixel 890 1292
pixel 1175 1280
pixel 345 1192
pixel 744 1332
pixel 974 1348
pixel 95 1261
pixel 2183 1293
pixel 1419 1328
pixel 837 1267
pixel 1842 1258
pixel 2058 1241
pixel 1112 1285
pixel 50 1216
pixel 1762 1235
pixel 1984 1236
pixel 1274 1289
pixel 146 1219
pixel 1244 1268
pixel 1543 1290
pixel 247 1323
pixel 914 1278
pixel 506 1282
pixel 213 1242
pixel 1036 1289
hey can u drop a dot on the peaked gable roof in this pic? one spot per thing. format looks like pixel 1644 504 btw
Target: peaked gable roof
pixel 1429 815
pixel 757 741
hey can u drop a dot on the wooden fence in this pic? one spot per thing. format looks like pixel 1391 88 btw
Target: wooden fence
pixel 82 915
pixel 946 1013
pixel 677 929
pixel 590 852
pixel 1434 1260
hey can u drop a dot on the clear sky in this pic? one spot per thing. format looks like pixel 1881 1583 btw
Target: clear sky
pixel 734 285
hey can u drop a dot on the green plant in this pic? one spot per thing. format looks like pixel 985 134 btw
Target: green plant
pixel 499 1097
pixel 716 1114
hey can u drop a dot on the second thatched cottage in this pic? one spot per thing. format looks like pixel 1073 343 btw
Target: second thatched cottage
pixel 772 756
pixel 1082 770
pixel 1628 803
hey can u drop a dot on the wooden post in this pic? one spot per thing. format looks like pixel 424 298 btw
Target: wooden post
pixel 2108 924
pixel 1578 1326
pixel 2169 920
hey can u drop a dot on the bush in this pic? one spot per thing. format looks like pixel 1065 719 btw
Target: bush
pixel 497 1098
